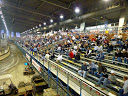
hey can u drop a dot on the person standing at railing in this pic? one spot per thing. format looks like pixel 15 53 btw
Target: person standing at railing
pixel 124 90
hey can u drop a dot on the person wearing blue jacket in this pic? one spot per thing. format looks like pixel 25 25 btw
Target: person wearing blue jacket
pixel 100 56
pixel 82 72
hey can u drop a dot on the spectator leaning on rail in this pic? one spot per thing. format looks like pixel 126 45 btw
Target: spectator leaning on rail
pixel 92 67
pixel 82 72
pixel 111 79
pixel 124 90
pixel 101 70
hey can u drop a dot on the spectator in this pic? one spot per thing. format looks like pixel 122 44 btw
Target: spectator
pixel 52 56
pixel 35 50
pixel 101 70
pixel 110 48
pixel 125 56
pixel 75 47
pixel 47 56
pixel 118 55
pixel 82 72
pixel 59 58
pixel 74 52
pixel 71 55
pixel 107 80
pixel 99 48
pixel 77 57
pixel 95 48
pixel 100 56
pixel 124 90
pixel 118 43
pixel 92 67
pixel 88 53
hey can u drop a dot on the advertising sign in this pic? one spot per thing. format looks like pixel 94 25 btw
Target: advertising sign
pixel 36 65
pixel 28 57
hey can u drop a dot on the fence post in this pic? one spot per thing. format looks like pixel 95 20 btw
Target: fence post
pixel 57 80
pixel 68 84
pixel 80 88
pixel 48 72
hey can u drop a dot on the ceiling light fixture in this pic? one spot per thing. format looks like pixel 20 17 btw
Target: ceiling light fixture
pixel 61 16
pixel 44 23
pixel 39 25
pixel 51 20
pixel 106 0
pixel 77 10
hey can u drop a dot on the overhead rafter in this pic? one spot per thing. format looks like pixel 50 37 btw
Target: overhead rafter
pixel 63 5
pixel 30 11
pixel 19 15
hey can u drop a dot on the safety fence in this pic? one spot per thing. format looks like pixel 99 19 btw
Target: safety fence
pixel 57 76
pixel 4 47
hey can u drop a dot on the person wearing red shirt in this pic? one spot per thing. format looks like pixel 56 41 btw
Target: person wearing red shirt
pixel 71 55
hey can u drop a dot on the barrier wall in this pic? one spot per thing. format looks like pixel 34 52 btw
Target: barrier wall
pixel 4 49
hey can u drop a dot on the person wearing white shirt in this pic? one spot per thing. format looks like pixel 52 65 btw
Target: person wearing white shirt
pixel 59 37
pixel 47 56
pixel 59 58
pixel 124 91
pixel 99 48
pixel 59 48
pixel 95 48
pixel 73 38
pixel 88 53
pixel 68 41
pixel 75 47
pixel 74 52
pixel 56 38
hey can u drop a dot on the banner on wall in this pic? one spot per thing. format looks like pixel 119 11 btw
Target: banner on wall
pixel 17 34
pixel 27 56
pixel 12 34
pixel 36 65
pixel 82 27
pixel 2 33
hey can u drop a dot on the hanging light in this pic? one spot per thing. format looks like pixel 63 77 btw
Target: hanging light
pixel 77 10
pixel 61 16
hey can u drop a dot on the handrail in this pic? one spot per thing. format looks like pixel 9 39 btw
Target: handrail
pixel 75 76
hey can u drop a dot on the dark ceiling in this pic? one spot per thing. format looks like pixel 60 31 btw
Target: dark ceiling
pixel 21 15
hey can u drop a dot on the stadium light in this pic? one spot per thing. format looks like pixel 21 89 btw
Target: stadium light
pixel 44 23
pixel 61 16
pixel 51 20
pixel 77 10
pixel 106 0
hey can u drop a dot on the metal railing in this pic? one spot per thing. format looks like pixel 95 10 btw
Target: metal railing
pixel 49 68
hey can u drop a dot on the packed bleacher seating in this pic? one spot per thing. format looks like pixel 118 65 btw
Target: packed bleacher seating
pixel 98 60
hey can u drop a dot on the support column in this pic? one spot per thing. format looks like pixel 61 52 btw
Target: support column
pixel 123 18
